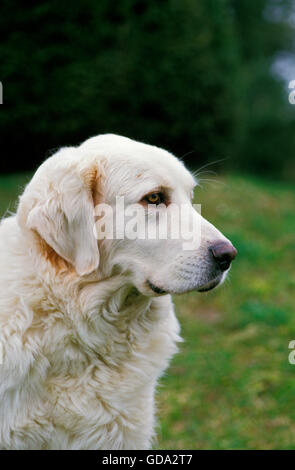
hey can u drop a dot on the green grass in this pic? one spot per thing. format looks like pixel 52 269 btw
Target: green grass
pixel 231 385
pixel 11 186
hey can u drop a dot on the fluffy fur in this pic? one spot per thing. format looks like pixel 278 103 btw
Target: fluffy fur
pixel 85 339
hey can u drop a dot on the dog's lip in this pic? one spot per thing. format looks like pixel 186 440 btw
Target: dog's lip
pixel 156 289
pixel 209 286
pixel 205 288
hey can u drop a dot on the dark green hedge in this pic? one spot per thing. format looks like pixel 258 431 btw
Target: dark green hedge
pixel 183 74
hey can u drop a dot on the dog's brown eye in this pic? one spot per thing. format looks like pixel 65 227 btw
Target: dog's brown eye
pixel 154 198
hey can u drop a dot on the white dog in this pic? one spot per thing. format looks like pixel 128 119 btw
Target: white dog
pixel 87 326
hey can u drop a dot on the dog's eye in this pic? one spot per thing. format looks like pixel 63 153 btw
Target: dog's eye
pixel 154 198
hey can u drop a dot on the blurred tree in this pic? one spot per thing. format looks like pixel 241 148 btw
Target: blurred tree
pixel 161 71
pixel 185 75
pixel 267 145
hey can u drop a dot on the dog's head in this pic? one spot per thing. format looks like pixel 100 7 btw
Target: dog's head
pixel 144 193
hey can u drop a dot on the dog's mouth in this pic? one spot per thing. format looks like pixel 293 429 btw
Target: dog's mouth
pixel 205 288
pixel 209 286
pixel 156 289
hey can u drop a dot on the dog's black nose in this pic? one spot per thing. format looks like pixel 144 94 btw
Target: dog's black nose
pixel 223 253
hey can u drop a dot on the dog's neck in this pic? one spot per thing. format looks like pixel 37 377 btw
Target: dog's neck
pixel 115 295
pixel 108 315
pixel 105 318
pixel 105 312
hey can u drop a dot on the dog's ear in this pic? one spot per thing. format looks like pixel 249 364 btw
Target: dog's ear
pixel 59 205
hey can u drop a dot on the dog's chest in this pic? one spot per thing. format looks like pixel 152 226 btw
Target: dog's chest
pixel 105 399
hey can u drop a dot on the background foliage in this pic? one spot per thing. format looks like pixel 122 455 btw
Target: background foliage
pixel 186 75
pixel 193 76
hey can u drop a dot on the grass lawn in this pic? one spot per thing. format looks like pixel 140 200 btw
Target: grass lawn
pixel 231 385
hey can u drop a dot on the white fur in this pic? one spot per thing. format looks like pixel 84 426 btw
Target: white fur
pixel 84 337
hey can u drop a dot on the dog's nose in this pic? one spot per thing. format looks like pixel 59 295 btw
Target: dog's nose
pixel 223 253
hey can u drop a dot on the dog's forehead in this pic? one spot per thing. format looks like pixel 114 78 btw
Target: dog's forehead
pixel 134 165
